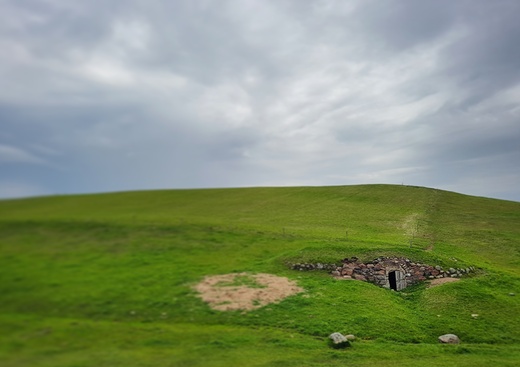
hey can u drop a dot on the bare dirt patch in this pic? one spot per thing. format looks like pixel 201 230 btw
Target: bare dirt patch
pixel 440 281
pixel 244 291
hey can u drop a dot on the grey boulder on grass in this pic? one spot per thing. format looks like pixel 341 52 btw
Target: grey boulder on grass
pixel 338 340
pixel 449 339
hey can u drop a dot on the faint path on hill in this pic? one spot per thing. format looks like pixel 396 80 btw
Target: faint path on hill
pixel 419 226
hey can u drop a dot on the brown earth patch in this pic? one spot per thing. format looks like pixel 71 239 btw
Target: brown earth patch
pixel 440 281
pixel 244 291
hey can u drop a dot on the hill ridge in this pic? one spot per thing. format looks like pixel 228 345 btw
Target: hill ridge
pixel 131 260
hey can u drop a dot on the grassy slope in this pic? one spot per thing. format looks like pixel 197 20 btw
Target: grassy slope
pixel 105 279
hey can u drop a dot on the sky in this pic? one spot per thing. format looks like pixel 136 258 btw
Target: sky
pixel 113 95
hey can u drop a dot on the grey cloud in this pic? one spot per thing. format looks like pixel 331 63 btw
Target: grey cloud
pixel 50 28
pixel 400 25
pixel 146 94
pixel 15 154
pixel 485 60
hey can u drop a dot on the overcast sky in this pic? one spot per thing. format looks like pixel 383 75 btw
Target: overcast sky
pixel 115 95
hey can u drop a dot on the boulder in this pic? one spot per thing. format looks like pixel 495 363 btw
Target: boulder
pixel 449 339
pixel 338 340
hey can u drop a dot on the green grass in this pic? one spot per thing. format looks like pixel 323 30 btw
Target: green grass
pixel 107 279
pixel 241 280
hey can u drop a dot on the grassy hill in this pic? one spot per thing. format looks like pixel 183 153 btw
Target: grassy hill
pixel 107 279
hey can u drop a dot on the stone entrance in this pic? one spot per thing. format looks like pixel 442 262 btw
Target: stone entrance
pixel 396 280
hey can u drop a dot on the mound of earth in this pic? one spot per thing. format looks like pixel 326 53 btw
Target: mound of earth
pixel 244 291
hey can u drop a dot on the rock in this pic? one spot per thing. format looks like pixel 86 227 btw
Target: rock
pixel 339 340
pixel 346 272
pixel 437 267
pixel 449 339
pixel 452 271
pixel 359 277
pixel 336 273
pixel 350 337
pixel 512 294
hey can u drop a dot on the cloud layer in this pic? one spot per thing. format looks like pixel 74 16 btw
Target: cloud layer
pixel 120 95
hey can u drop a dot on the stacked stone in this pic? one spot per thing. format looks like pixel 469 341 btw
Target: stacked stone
pixel 310 266
pixel 458 272
pixel 372 272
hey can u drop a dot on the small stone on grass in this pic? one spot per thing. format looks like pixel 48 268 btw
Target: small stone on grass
pixel 339 340
pixel 449 339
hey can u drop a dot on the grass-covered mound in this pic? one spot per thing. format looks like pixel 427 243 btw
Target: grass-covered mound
pixel 108 280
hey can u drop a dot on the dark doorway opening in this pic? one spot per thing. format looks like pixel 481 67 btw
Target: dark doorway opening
pixel 392 279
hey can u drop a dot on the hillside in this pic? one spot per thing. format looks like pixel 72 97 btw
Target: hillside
pixel 108 279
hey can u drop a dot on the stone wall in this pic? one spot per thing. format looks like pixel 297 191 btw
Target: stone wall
pixel 316 266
